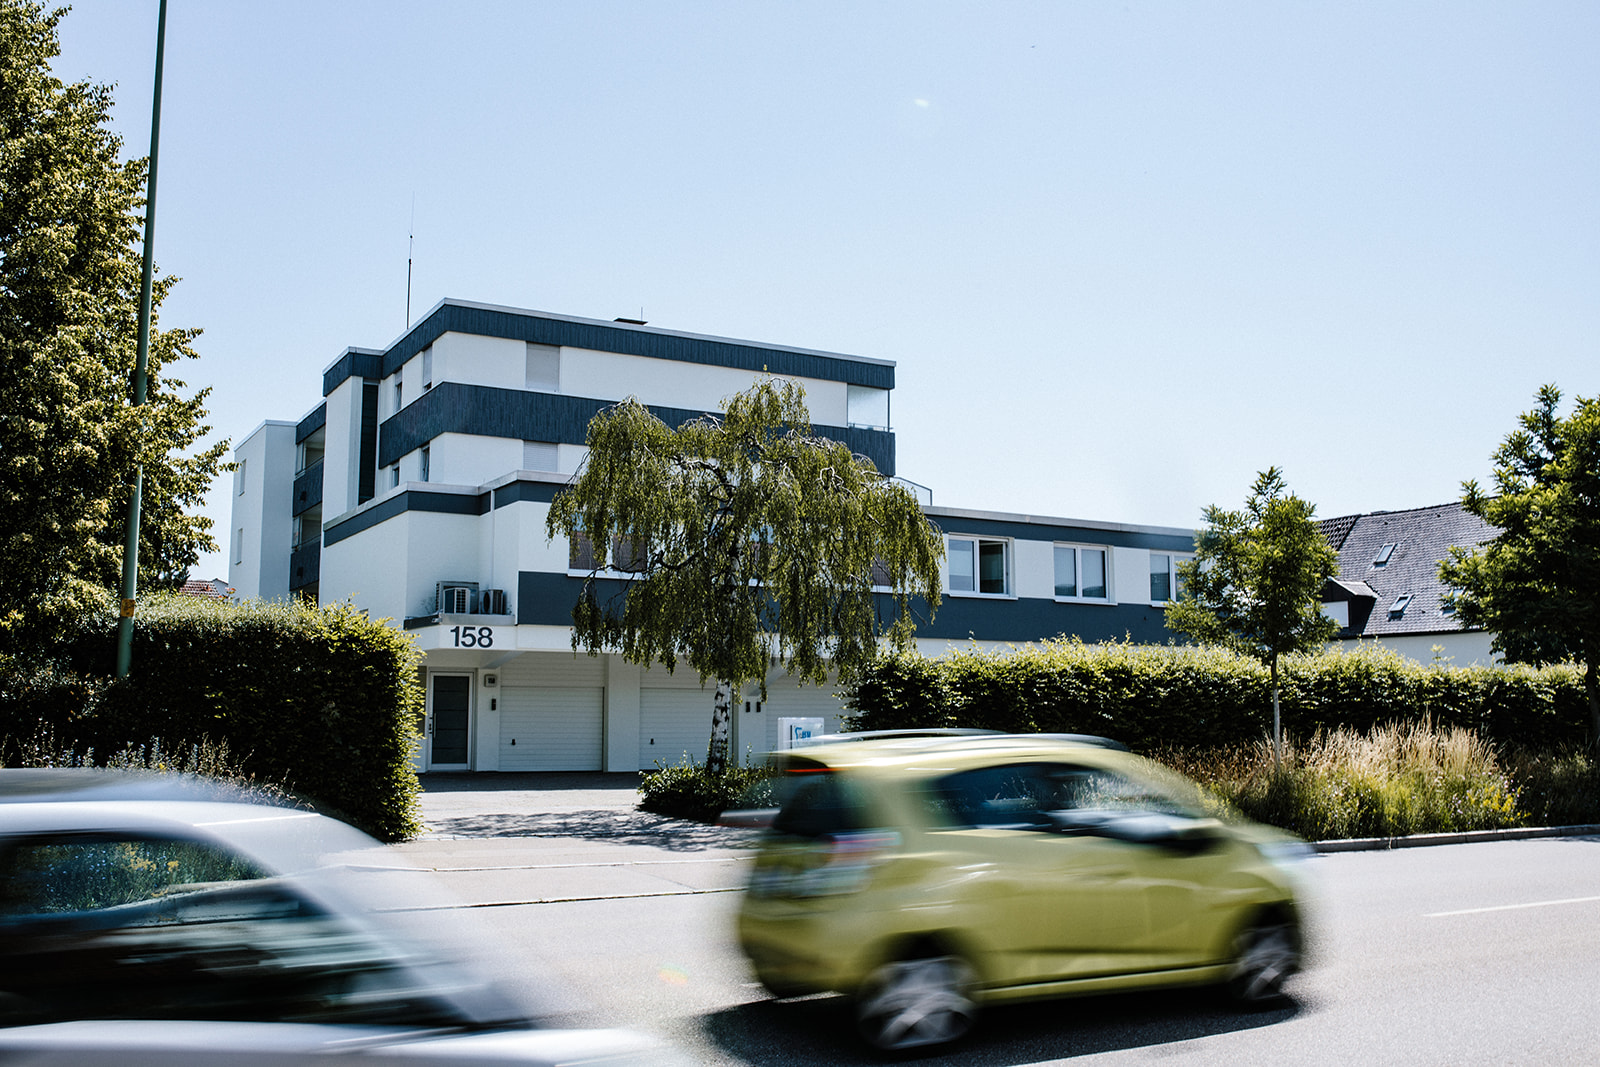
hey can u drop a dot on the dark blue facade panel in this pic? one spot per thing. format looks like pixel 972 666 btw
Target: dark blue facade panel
pixel 1033 619
pixel 305 565
pixel 490 411
pixel 354 363
pixel 516 492
pixel 307 489
pixel 311 423
pixel 625 340
pixel 1041 531
pixel 547 599
pixel 438 503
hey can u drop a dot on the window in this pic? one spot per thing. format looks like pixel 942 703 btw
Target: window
pixel 1382 558
pixel 544 368
pixel 866 406
pixel 394 476
pixel 238 480
pixel 979 565
pixel 399 393
pixel 1081 572
pixel 1165 584
pixel 424 474
pixel 1398 608
pixel 238 545
pixel 427 368
pixel 540 456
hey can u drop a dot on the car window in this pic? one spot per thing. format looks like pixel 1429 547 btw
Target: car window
pixel 1021 795
pixel 1011 795
pixel 108 927
pixel 819 804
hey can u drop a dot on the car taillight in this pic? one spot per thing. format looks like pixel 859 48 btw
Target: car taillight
pixel 828 866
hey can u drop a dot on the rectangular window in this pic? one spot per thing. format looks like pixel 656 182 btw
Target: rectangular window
pixel 394 476
pixel 424 459
pixel 427 368
pixel 540 456
pixel 399 393
pixel 1165 583
pixel 239 478
pixel 1080 572
pixel 544 368
pixel 979 565
pixel 238 545
pixel 866 406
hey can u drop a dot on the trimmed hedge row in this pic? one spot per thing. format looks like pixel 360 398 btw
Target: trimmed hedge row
pixel 320 699
pixel 1164 696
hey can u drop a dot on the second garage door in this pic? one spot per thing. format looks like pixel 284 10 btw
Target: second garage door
pixel 549 729
pixel 673 723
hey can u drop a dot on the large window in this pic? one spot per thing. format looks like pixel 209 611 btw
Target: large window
pixel 1165 584
pixel 1081 572
pixel 980 565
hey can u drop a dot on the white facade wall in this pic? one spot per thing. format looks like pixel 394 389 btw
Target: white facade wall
pixel 261 531
pixel 476 360
pixel 341 461
pixel 368 569
pixel 467 459
pixel 1463 649
pixel 674 383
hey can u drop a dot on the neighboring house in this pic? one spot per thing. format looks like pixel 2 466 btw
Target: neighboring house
pixel 215 589
pixel 418 490
pixel 1388 589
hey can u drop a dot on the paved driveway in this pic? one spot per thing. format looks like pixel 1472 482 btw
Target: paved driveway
pixel 509 839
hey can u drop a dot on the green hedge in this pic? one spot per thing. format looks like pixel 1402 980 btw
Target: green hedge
pixel 321 699
pixel 1161 696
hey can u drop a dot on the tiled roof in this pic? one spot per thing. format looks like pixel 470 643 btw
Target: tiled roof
pixel 215 589
pixel 1336 530
pixel 1421 537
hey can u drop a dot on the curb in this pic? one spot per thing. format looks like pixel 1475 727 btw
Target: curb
pixel 1372 844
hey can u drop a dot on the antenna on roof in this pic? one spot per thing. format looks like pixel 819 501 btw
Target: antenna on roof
pixel 411 240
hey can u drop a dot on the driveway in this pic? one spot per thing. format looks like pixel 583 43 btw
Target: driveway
pixel 509 839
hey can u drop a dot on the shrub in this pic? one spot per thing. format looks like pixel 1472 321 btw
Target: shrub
pixel 1391 781
pixel 1172 696
pixel 688 791
pixel 320 698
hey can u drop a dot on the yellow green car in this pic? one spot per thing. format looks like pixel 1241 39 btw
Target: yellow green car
pixel 926 876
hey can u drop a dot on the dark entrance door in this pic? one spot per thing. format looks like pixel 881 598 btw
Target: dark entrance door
pixel 452 706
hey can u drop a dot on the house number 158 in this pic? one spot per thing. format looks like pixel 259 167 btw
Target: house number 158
pixel 472 636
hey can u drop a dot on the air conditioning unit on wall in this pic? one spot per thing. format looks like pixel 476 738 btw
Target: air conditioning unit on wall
pixel 456 598
pixel 493 602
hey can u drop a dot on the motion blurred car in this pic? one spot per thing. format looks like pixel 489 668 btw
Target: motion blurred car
pixel 151 919
pixel 929 875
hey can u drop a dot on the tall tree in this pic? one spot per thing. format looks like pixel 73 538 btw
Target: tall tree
pixel 1255 582
pixel 739 539
pixel 70 264
pixel 1536 584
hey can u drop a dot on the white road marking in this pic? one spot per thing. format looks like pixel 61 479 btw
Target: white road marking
pixel 1511 907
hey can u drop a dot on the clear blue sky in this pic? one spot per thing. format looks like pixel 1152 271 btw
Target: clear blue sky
pixel 1125 254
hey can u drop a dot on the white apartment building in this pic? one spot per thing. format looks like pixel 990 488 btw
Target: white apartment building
pixel 418 490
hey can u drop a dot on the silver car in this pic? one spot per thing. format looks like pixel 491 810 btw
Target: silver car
pixel 154 919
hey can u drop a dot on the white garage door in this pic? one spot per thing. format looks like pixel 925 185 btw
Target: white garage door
pixel 550 729
pixel 673 722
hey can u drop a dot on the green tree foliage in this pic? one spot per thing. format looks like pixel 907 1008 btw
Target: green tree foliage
pixel 742 538
pixel 1536 585
pixel 70 265
pixel 1255 582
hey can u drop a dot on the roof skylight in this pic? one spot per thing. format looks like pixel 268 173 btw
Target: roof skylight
pixel 1382 558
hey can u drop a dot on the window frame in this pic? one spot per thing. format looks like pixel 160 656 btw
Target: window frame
pixel 1078 547
pixel 1008 550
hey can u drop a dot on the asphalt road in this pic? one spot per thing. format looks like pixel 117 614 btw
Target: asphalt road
pixel 1457 954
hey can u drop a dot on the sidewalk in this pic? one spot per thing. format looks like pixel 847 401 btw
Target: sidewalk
pixel 510 839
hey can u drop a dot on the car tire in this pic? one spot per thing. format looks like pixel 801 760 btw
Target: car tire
pixel 916 1002
pixel 1265 954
